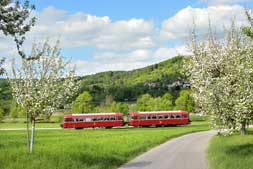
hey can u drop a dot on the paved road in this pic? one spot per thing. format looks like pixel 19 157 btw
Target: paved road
pixel 186 152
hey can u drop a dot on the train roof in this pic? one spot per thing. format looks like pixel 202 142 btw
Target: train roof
pixel 159 112
pixel 92 115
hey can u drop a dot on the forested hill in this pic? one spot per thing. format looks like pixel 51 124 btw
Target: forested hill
pixel 125 86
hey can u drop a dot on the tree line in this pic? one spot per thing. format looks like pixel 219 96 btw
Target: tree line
pixel 84 104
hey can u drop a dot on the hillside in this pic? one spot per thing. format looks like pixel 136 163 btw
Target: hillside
pixel 156 80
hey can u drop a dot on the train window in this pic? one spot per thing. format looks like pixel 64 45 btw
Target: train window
pixel 80 119
pixel 134 117
pixel 106 118
pixel 99 118
pixel 166 116
pixel 160 117
pixel 68 120
pixel 154 117
pixel 185 116
pixel 119 118
pixel 143 117
pixel 149 117
pixel 112 118
pixel 94 119
pixel 88 119
pixel 172 116
pixel 178 116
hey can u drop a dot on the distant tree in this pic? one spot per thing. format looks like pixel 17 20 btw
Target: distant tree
pixel 156 104
pixel 147 103
pixel 119 107
pixel 166 102
pixel 124 108
pixel 144 103
pixel 41 85
pixel 15 21
pixel 132 107
pixel 114 107
pixel 185 101
pixel 82 104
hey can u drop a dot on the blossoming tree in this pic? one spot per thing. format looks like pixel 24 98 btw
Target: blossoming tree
pixel 41 85
pixel 15 21
pixel 221 76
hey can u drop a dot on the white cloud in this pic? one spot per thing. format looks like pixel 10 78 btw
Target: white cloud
pixel 224 2
pixel 181 24
pixel 130 60
pixel 85 67
pixel 81 29
pixel 164 53
pixel 134 56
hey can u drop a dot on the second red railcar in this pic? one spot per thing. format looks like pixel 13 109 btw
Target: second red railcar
pixel 158 118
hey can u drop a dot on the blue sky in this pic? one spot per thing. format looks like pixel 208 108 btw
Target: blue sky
pixel 102 35
pixel 156 10
pixel 117 10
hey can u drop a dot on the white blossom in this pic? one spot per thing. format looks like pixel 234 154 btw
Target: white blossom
pixel 221 77
pixel 42 85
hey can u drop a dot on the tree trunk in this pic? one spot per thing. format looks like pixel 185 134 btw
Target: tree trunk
pixel 243 128
pixel 32 135
pixel 27 131
pixel 233 124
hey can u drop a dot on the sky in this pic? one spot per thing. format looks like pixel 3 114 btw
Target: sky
pixel 104 35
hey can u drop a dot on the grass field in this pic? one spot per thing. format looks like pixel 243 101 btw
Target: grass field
pixel 23 125
pixel 233 152
pixel 89 148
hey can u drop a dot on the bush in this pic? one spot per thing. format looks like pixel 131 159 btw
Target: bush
pixel 60 118
pixel 198 117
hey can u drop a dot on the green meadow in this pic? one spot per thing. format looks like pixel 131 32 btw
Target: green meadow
pixel 231 152
pixel 23 125
pixel 88 148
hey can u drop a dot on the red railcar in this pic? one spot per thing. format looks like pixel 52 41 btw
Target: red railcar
pixel 158 118
pixel 80 121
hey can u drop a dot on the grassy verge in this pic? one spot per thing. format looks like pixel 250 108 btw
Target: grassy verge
pixel 89 148
pixel 233 152
pixel 23 125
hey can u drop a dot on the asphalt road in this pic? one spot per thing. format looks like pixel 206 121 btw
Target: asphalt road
pixel 185 152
